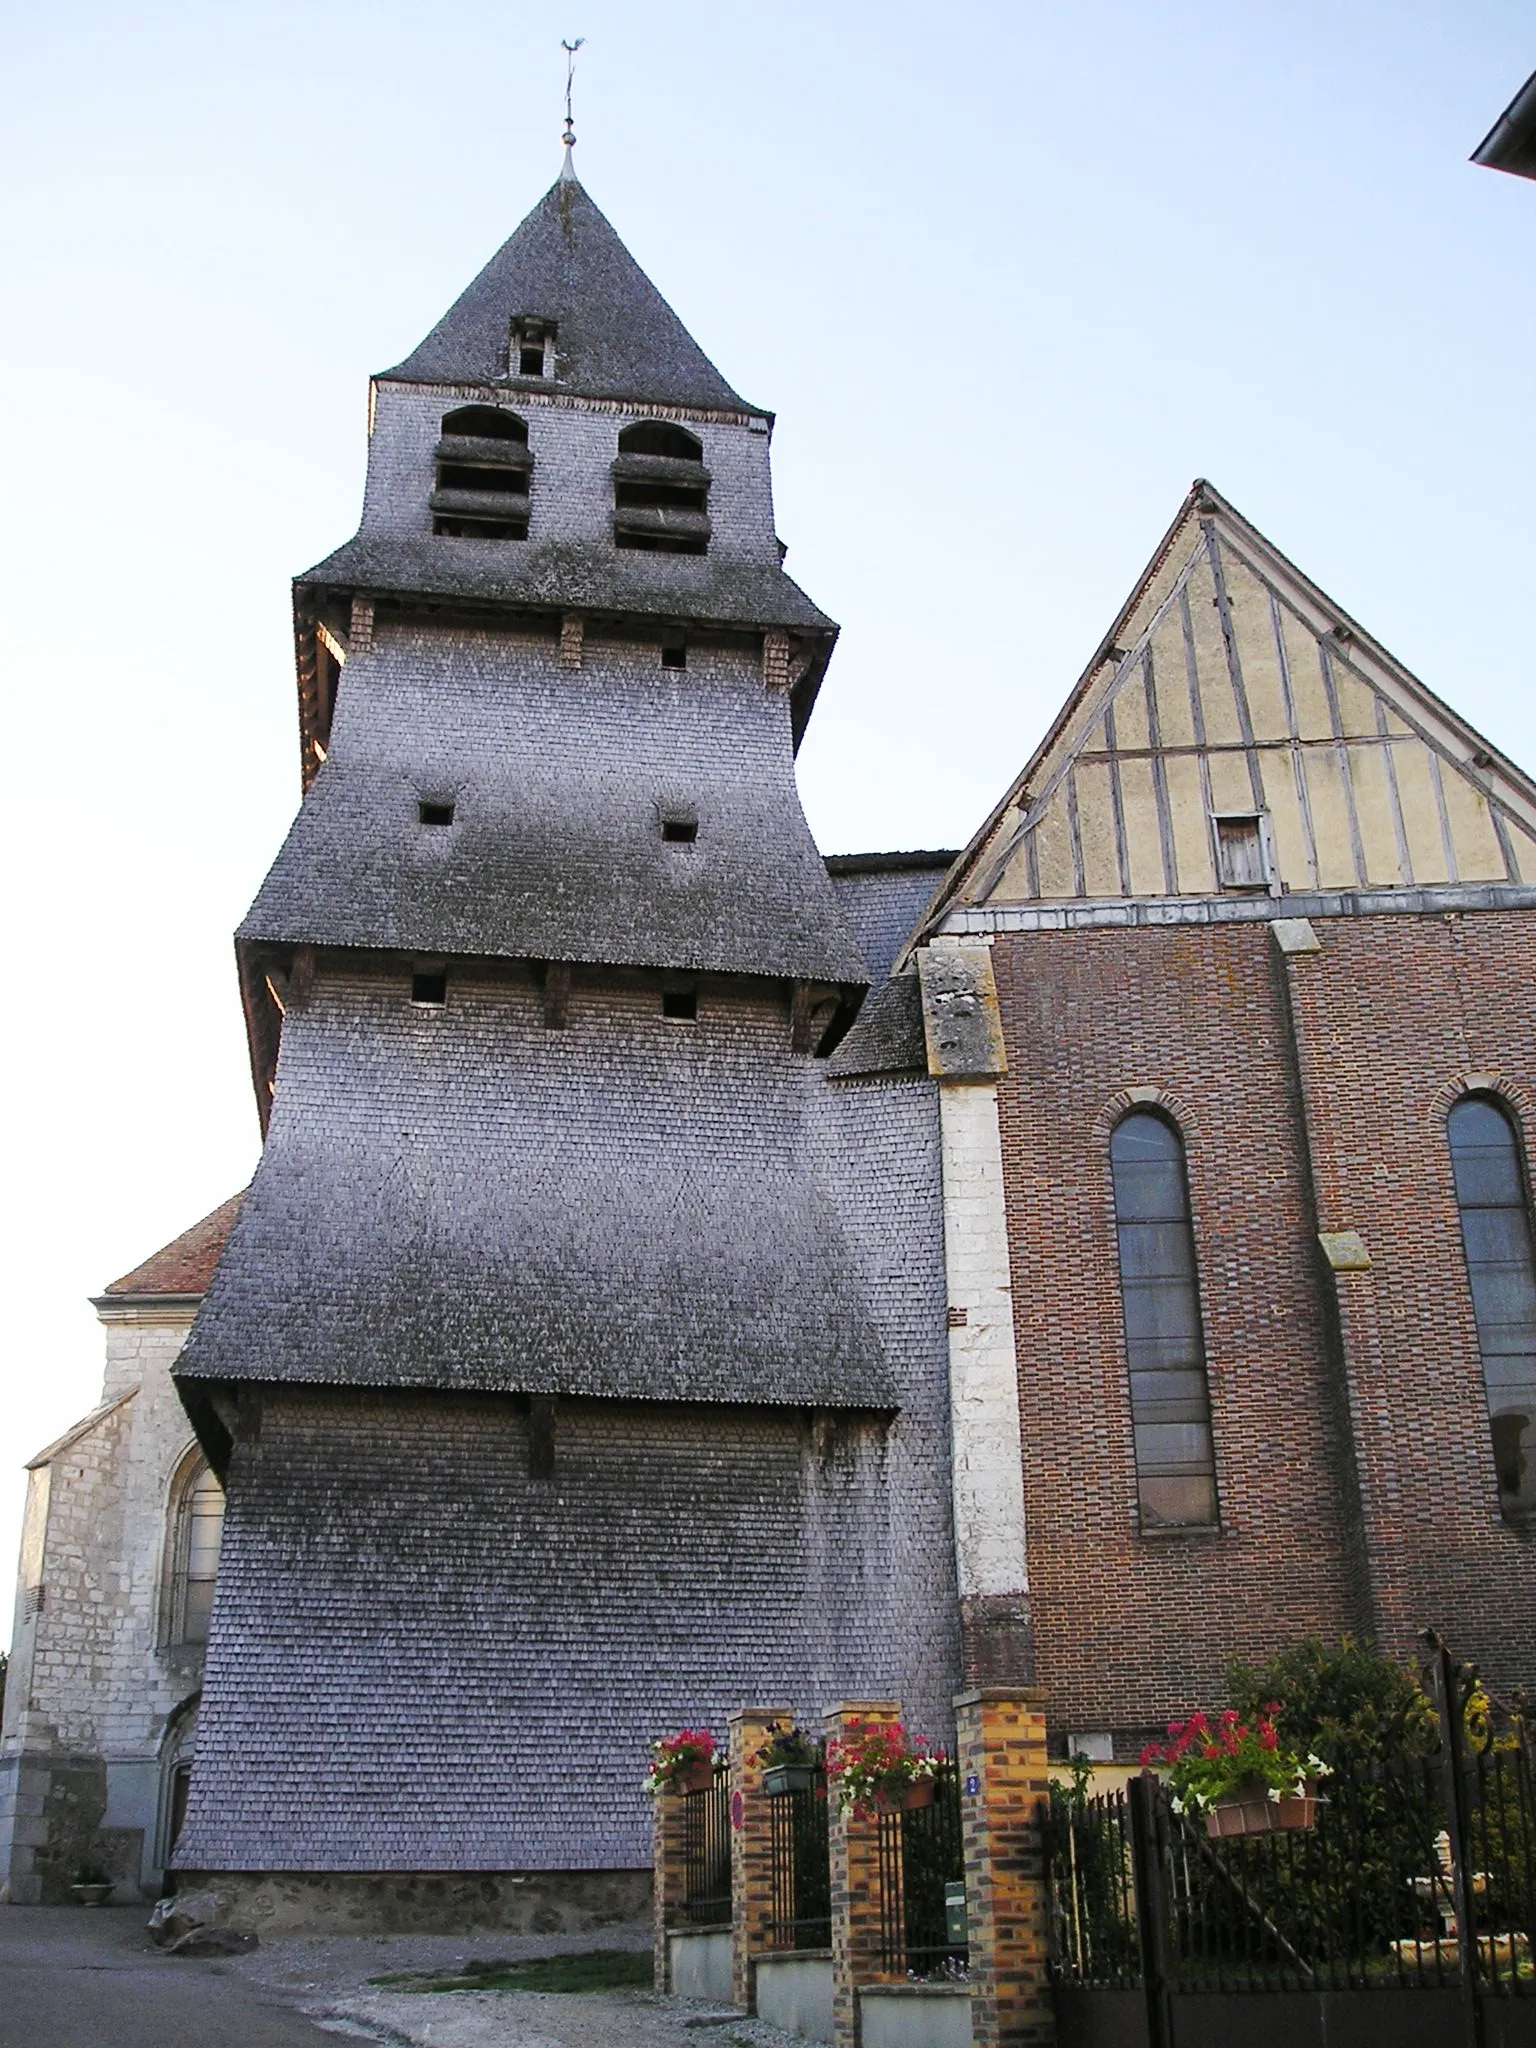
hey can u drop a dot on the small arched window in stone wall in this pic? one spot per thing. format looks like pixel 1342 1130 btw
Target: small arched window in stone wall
pixel 197 1527
pixel 660 490
pixel 1496 1234
pixel 1164 1343
pixel 483 468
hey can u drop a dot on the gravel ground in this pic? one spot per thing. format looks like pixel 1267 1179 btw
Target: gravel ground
pixel 326 1977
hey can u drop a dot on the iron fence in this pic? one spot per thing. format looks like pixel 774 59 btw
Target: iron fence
pixel 799 1868
pixel 1421 1876
pixel 920 1853
pixel 1092 1898
pixel 707 1853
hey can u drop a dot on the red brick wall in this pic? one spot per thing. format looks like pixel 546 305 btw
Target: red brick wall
pixel 1389 1019
pixel 1392 1017
pixel 1131 1629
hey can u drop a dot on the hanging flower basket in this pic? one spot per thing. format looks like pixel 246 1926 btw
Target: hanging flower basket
pixel 1252 1809
pixel 907 1798
pixel 1237 1778
pixel 684 1762
pixel 781 1779
pixel 875 1766
pixel 789 1759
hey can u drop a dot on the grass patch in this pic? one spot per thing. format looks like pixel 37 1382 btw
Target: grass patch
pixel 599 1969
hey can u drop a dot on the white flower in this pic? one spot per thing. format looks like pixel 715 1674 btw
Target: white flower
pixel 1274 1793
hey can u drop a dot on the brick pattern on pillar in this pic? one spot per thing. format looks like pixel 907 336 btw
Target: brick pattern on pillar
pixel 776 661
pixel 670 1879
pixel 1001 1749
pixel 751 1872
pixel 855 1866
pixel 360 632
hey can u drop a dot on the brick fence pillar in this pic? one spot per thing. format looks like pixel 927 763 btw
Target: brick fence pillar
pixel 669 1877
pixel 751 1871
pixel 852 1842
pixel 1001 1752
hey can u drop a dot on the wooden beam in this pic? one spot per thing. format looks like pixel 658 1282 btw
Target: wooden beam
pixel 557 994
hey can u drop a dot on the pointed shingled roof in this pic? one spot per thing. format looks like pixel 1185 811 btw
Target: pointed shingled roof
pixel 616 336
pixel 1231 684
pixel 185 1265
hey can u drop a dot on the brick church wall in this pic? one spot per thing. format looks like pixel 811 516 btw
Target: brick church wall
pixel 1394 1016
pixel 1133 1628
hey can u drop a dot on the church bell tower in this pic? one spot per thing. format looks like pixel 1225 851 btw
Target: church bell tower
pixel 560 1365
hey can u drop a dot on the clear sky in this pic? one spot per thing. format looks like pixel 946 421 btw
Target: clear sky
pixel 1011 275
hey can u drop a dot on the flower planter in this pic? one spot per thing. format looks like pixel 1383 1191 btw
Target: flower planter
pixel 907 1798
pixel 1251 1811
pixel 91 1894
pixel 780 1779
pixel 698 1777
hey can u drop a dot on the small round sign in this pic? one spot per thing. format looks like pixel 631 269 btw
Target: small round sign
pixel 738 1811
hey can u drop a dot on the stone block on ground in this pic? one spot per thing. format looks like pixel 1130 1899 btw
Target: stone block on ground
pixel 176 1917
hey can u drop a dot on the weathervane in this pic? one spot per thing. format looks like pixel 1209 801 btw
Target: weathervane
pixel 570 49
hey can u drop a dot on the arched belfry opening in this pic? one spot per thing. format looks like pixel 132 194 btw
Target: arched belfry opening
pixel 661 490
pixel 483 472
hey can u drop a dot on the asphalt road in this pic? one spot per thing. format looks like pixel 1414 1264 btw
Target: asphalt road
pixel 74 1977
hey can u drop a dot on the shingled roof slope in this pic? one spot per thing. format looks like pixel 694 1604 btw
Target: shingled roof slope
pixel 888 1037
pixel 616 336
pixel 883 895
pixel 713 589
pixel 185 1265
pixel 623 1211
pixel 556 851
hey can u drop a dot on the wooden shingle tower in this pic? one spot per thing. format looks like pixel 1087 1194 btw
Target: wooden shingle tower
pixel 576 1366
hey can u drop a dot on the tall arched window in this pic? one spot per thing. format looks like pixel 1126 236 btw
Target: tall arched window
pixel 196 1528
pixel 1170 1403
pixel 1496 1233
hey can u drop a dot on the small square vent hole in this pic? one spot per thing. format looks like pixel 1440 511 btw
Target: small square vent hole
pixel 435 814
pixel 681 1003
pixel 674 657
pixel 430 990
pixel 680 831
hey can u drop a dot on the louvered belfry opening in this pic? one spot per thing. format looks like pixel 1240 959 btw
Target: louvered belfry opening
pixel 483 468
pixel 660 491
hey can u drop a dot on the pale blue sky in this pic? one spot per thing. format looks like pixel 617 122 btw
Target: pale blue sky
pixel 1011 276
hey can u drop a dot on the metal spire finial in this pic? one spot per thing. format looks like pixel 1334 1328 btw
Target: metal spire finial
pixel 569 137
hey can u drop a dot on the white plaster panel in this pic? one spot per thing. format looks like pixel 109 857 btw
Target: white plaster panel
pixel 983 1366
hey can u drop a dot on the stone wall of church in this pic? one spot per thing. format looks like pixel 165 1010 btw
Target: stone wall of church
pixel 93 1687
